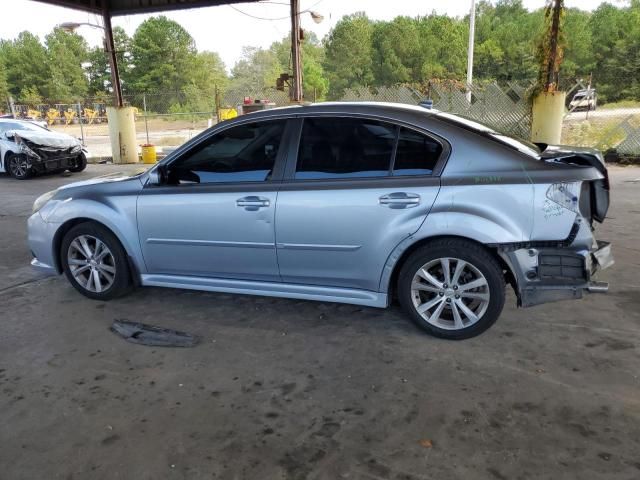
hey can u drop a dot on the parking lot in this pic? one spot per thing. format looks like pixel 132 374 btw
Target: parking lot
pixel 294 389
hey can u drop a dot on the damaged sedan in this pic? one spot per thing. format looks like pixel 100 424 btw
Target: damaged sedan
pixel 27 149
pixel 362 203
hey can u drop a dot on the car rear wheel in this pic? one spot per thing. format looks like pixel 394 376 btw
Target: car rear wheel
pixel 80 164
pixel 18 166
pixel 452 288
pixel 95 262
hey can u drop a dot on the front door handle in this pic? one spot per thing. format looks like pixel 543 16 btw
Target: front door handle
pixel 400 200
pixel 252 203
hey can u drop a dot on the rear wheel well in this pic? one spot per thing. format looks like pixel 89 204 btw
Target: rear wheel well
pixel 393 280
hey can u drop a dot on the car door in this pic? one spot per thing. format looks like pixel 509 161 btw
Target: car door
pixel 353 189
pixel 214 214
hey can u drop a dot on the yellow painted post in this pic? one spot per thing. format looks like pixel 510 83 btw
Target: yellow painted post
pixel 122 132
pixel 547 114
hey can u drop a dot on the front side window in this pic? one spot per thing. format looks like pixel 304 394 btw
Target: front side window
pixel 344 148
pixel 244 153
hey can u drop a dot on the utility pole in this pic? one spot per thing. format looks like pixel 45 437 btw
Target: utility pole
pixel 296 84
pixel 553 64
pixel 113 62
pixel 472 33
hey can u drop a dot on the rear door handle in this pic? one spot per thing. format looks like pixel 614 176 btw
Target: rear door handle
pixel 400 200
pixel 252 203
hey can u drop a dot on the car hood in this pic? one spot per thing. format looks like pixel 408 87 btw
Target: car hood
pixel 103 179
pixel 48 139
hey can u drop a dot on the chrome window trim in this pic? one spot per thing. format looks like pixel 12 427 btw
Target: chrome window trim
pixel 291 138
pixel 292 157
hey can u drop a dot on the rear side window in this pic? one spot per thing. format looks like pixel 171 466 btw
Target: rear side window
pixel 245 153
pixel 344 148
pixel 417 154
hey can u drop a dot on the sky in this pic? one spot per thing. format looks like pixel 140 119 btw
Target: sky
pixel 226 29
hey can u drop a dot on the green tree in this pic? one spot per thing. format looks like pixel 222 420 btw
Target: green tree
pixel 207 73
pixel 98 70
pixel 66 52
pixel 443 47
pixel 314 81
pixel 26 62
pixel 621 70
pixel 578 53
pixel 256 71
pixel 349 53
pixel 30 96
pixel 506 36
pixel 396 51
pixel 4 85
pixel 162 52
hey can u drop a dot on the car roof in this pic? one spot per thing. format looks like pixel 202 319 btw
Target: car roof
pixel 354 107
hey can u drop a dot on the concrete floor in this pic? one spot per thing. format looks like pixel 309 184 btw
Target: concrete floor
pixel 295 390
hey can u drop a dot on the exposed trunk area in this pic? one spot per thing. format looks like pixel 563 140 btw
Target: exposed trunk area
pixel 594 198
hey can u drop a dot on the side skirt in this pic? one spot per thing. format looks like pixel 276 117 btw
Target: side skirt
pixel 269 289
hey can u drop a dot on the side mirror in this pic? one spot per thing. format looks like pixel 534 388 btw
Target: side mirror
pixel 157 175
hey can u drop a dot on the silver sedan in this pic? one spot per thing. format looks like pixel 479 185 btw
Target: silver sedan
pixel 345 202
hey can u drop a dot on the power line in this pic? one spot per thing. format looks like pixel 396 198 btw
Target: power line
pixel 258 18
pixel 274 19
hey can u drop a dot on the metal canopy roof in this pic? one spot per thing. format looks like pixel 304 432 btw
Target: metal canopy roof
pixel 129 7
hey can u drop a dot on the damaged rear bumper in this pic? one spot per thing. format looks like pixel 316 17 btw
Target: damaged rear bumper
pixel 544 275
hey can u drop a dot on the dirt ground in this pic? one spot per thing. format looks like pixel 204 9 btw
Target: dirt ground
pixel 285 389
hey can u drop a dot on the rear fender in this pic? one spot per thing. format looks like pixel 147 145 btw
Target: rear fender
pixel 476 213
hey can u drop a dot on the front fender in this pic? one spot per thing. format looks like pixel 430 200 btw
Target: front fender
pixel 118 215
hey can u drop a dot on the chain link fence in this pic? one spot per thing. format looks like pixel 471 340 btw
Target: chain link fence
pixel 168 119
pixel 609 127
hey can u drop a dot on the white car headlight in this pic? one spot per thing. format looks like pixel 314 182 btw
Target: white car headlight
pixel 42 200
pixel 565 194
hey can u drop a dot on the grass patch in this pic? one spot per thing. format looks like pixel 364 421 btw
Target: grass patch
pixel 620 104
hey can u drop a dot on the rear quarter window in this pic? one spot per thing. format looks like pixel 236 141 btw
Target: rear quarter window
pixel 417 154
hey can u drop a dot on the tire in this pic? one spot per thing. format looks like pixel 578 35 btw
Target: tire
pixel 112 269
pixel 17 166
pixel 81 164
pixel 461 312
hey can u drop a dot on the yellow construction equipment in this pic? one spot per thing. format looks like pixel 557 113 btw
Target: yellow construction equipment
pixel 52 116
pixel 227 113
pixel 90 115
pixel 69 115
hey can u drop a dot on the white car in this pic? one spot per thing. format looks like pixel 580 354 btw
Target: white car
pixel 585 99
pixel 27 149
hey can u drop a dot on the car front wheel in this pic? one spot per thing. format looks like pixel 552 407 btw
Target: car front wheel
pixel 19 166
pixel 95 262
pixel 452 288
pixel 80 164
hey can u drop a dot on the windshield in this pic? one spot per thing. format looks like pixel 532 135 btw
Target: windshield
pixel 5 126
pixel 511 141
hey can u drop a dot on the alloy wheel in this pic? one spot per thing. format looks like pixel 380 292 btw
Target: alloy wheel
pixel 18 166
pixel 450 293
pixel 91 263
